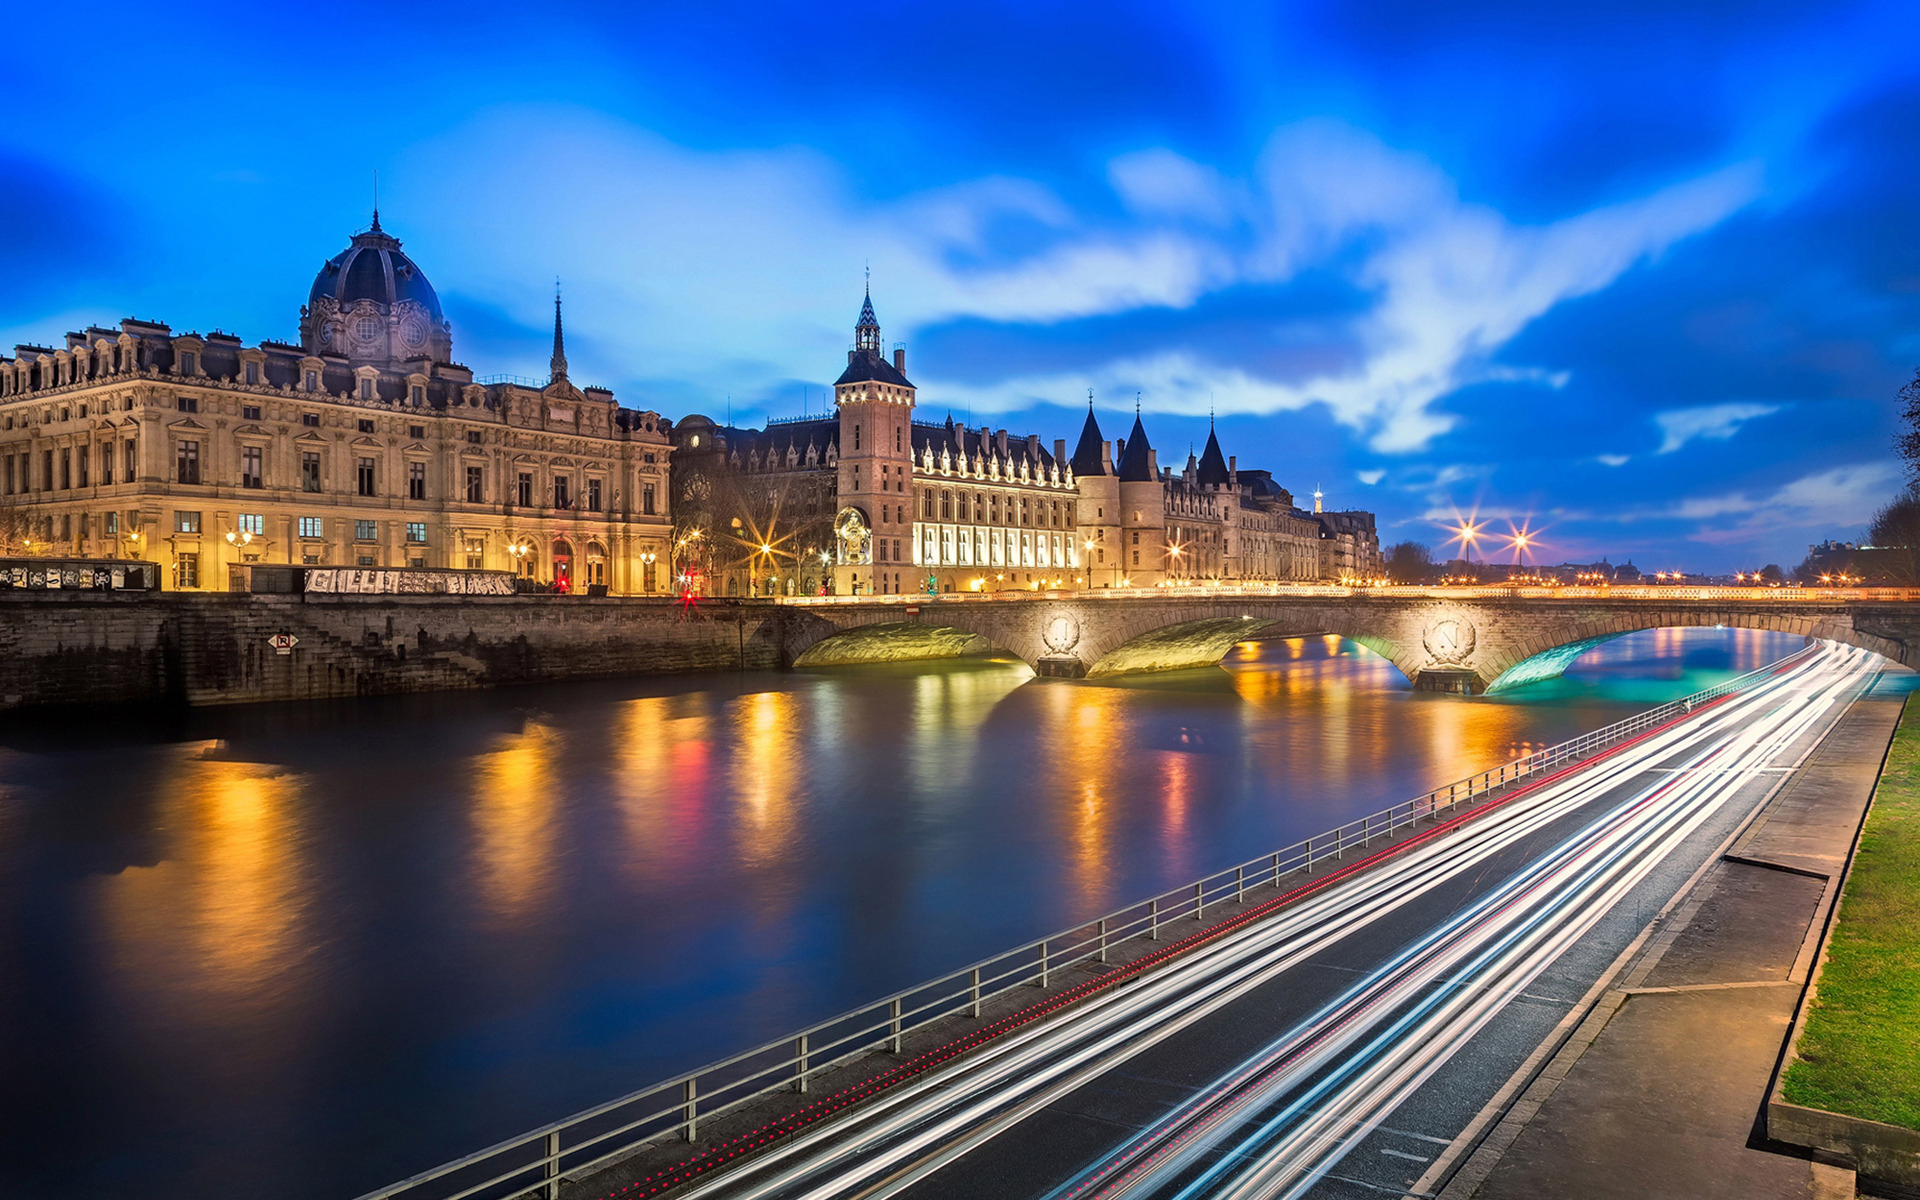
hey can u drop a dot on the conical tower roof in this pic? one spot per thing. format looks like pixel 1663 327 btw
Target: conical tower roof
pixel 1213 464
pixel 1090 456
pixel 1135 466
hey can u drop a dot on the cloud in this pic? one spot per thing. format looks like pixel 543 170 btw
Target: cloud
pixel 1714 421
pixel 683 252
pixel 1370 477
pixel 1611 460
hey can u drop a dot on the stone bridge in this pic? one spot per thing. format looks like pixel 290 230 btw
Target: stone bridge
pixel 1468 640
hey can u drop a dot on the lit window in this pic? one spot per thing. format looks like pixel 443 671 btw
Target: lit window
pixel 310 527
pixel 417 532
pixel 186 522
pixel 366 531
pixel 253 523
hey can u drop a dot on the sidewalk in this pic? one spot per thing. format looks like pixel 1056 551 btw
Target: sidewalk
pixel 1660 1091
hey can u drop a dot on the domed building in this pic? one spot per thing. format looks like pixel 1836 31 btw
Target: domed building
pixel 371 304
pixel 363 446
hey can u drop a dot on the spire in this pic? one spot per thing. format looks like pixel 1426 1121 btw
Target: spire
pixel 1135 465
pixel 1089 456
pixel 866 331
pixel 1213 464
pixel 558 364
pixel 376 202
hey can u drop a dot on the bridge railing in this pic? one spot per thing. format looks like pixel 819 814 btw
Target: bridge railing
pixel 1268 591
pixel 534 1162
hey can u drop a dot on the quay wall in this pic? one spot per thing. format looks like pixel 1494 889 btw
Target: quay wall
pixel 59 648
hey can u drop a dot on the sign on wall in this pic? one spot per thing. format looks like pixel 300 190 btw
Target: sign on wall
pixel 375 581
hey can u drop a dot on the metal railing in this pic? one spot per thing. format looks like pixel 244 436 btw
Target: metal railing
pixel 534 1162
pixel 1662 592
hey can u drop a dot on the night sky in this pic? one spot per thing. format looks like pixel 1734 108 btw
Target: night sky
pixel 1643 273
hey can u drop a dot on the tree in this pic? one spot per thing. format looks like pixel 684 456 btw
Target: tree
pixel 1896 527
pixel 1907 442
pixel 1410 562
pixel 1771 573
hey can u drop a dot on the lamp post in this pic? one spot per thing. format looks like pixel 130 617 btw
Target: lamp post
pixel 646 568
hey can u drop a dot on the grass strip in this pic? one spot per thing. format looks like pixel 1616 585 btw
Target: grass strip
pixel 1859 1053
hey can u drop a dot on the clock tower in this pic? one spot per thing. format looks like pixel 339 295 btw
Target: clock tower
pixel 873 526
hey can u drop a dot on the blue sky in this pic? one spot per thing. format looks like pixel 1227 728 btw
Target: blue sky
pixel 1643 273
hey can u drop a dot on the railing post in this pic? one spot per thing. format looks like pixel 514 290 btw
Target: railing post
pixel 1043 963
pixel 1276 868
pixel 1309 856
pixel 1103 939
pixel 976 993
pixel 893 1042
pixel 1199 907
pixel 1239 885
pixel 552 1187
pixel 800 1063
pixel 689 1095
pixel 1153 920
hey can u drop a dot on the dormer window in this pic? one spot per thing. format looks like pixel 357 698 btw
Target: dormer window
pixel 313 381
pixel 253 372
pixel 366 389
pixel 419 394
pixel 187 363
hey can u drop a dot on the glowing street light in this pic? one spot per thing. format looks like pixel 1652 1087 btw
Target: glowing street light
pixel 1467 532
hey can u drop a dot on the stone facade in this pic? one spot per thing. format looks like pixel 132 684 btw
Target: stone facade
pixel 873 501
pixel 364 445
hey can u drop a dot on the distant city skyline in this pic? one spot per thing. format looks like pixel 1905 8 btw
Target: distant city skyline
pixel 1644 276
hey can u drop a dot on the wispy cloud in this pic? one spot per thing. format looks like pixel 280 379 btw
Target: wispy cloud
pixel 1713 421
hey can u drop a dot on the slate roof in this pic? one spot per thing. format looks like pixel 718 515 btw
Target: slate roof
pixel 1213 464
pixel 1090 456
pixel 1135 466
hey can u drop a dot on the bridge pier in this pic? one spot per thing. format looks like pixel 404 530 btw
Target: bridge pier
pixel 1064 666
pixel 1457 681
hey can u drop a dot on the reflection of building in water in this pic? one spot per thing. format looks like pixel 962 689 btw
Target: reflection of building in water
pixel 873 500
pixel 363 444
pixel 515 797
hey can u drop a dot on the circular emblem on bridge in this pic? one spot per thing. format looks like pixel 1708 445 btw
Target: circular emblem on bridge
pixel 1061 633
pixel 1449 640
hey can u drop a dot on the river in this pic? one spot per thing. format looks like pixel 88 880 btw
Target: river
pixel 300 951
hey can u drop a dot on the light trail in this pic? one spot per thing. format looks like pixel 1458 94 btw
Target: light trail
pixel 1360 1055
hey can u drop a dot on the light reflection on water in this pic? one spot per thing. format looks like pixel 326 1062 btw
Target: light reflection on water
pixel 301 952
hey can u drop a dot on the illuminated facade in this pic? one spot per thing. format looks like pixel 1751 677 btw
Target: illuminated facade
pixel 870 500
pixel 363 445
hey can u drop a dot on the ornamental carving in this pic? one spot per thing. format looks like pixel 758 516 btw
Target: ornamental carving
pixel 1450 641
pixel 854 535
pixel 1061 633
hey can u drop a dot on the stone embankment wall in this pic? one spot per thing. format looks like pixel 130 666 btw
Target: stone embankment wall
pixel 102 648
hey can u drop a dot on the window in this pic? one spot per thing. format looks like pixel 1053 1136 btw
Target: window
pixel 66 468
pixel 313 385
pixel 250 474
pixel 647 457
pixel 926 505
pixel 253 523
pixel 310 470
pixel 187 365
pixel 1136 537
pixel 476 561
pixel 416 481
pixel 946 505
pixel 526 490
pixel 186 570
pixel 417 394
pixel 593 495
pixel 417 432
pixel 186 522
pixel 9 475
pixel 646 499
pixel 188 403
pixel 113 524
pixel 473 437
pixel 417 532
pixel 81 454
pixel 363 476
pixel 310 527
pixel 561 488
pixel 187 462
pixel 476 485
pixel 856 437
pixel 311 420
pixel 366 531
pixel 253 376
pixel 366 427
pixel 132 459
pixel 364 560
pixel 310 560
pixel 250 412
pixel 367 328
pixel 46 471
pixel 366 393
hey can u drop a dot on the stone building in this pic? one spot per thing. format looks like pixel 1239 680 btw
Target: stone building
pixel 873 500
pixel 363 445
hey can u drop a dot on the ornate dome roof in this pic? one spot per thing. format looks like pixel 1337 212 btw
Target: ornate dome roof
pixel 373 268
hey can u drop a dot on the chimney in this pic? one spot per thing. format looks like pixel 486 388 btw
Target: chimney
pixel 1233 469
pixel 1060 450
pixel 1153 463
pixel 1106 455
pixel 900 359
pixel 1033 448
pixel 1000 440
pixel 850 354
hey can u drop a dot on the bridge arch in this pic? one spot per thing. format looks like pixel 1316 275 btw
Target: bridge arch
pixel 892 641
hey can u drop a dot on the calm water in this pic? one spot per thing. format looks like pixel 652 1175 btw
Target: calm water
pixel 305 951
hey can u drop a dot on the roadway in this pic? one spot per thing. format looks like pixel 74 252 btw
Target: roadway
pixel 1336 1048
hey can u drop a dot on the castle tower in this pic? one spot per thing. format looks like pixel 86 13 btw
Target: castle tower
pixel 1143 510
pixel 873 524
pixel 1102 558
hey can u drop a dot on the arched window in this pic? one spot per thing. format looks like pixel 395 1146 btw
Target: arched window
pixel 946 506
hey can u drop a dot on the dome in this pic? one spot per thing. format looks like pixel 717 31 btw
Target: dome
pixel 373 268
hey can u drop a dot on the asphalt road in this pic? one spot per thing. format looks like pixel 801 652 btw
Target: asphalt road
pixel 1336 1048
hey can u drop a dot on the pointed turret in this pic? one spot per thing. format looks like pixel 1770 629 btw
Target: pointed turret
pixel 866 331
pixel 1090 455
pixel 1136 462
pixel 1213 464
pixel 558 363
